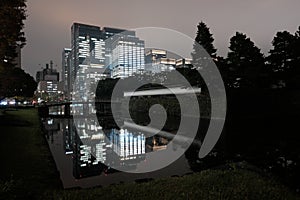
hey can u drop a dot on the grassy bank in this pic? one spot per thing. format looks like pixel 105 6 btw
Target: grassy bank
pixel 28 172
pixel 208 184
pixel 27 168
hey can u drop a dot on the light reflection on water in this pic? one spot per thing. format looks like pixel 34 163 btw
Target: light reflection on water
pixel 87 155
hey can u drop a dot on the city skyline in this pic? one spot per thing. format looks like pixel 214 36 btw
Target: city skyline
pixel 48 24
pixel 98 53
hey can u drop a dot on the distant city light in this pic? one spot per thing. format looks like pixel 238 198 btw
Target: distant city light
pixel 50 121
pixel 3 103
pixel 12 102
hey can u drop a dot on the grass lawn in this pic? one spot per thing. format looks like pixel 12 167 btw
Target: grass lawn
pixel 26 167
pixel 208 184
pixel 28 172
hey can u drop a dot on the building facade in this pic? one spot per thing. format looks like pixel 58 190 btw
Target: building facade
pixel 184 63
pixel 90 59
pixel 87 56
pixel 65 70
pixel 128 55
pixel 48 83
pixel 157 61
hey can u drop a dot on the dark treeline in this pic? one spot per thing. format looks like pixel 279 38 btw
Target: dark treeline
pixel 262 104
pixel 13 81
pixel 246 67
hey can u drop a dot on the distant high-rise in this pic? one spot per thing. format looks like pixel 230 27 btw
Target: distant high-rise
pixel 128 55
pixel 109 33
pixel 152 55
pixel 157 61
pixel 17 60
pixel 184 63
pixel 88 46
pixel 96 54
pixel 47 74
pixel 88 54
pixel 65 69
pixel 48 82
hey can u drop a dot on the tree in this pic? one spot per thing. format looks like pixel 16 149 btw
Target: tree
pixel 297 48
pixel 223 69
pixel 282 58
pixel 203 53
pixel 203 42
pixel 294 74
pixel 244 60
pixel 15 82
pixel 12 14
pixel 205 39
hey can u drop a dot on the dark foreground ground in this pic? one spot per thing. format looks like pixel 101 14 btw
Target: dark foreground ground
pixel 28 172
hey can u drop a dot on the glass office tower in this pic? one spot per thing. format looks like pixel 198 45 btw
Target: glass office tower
pixel 127 55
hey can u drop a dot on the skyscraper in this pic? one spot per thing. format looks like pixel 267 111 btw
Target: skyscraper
pixel 47 80
pixel 110 32
pixel 88 56
pixel 127 55
pixel 65 69
pixel 100 53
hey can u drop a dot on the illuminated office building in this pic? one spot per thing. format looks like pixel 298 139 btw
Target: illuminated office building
pixel 152 55
pixel 110 32
pixel 127 55
pixel 157 61
pixel 90 57
pixel 47 74
pixel 65 70
pixel 48 83
pixel 184 63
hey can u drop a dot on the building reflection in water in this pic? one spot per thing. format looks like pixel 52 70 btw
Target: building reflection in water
pixel 96 149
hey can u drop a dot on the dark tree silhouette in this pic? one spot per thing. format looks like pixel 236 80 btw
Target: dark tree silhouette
pixel 245 61
pixel 15 82
pixel 205 40
pixel 203 54
pixel 12 14
pixel 293 74
pixel 282 58
pixel 223 69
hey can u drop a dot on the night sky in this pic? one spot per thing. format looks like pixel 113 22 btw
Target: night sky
pixel 48 26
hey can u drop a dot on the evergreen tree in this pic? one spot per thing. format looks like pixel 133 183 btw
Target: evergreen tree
pixel 202 55
pixel 282 58
pixel 294 74
pixel 244 60
pixel 205 40
pixel 297 34
pixel 297 48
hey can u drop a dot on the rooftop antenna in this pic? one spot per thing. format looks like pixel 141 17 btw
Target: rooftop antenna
pixel 51 64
